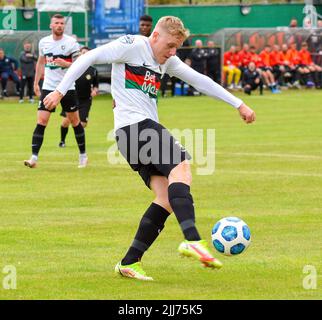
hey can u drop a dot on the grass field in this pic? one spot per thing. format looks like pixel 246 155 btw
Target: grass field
pixel 64 228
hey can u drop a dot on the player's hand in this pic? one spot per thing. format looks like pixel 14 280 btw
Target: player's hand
pixel 94 92
pixel 37 90
pixel 61 63
pixel 246 113
pixel 52 100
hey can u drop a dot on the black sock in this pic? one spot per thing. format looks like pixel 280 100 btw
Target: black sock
pixel 182 204
pixel 80 137
pixel 37 138
pixel 150 227
pixel 63 133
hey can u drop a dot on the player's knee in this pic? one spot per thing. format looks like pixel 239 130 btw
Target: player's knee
pixel 73 118
pixel 181 173
pixel 163 201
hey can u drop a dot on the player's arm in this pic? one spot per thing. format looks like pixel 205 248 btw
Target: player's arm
pixel 209 87
pixel 108 53
pixel 40 67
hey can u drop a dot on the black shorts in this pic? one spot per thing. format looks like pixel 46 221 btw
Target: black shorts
pixel 84 106
pixel 266 69
pixel 150 149
pixel 68 102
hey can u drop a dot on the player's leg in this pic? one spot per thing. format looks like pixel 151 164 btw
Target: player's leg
pixel 38 137
pixel 237 75
pixel 84 109
pixel 70 106
pixel 22 89
pixel 63 129
pixel 43 117
pixel 150 226
pixel 30 84
pixel 181 202
pixel 4 80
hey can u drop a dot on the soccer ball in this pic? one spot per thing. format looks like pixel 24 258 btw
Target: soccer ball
pixel 230 236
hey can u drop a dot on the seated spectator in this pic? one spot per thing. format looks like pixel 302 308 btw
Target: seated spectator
pixel 277 64
pixel 231 68
pixel 8 66
pixel 315 71
pixel 303 73
pixel 290 75
pixel 244 57
pixel 252 79
pixel 267 70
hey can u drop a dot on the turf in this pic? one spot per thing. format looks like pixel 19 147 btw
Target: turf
pixel 64 228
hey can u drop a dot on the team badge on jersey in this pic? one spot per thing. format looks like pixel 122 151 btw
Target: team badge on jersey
pixel 128 39
pixel 88 77
pixel 63 47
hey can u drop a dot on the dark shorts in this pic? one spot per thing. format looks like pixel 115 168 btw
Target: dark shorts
pixel 266 69
pixel 84 106
pixel 150 149
pixel 68 102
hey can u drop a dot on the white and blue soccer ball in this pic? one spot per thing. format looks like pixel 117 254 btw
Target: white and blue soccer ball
pixel 231 236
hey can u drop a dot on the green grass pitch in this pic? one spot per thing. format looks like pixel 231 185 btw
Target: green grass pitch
pixel 64 228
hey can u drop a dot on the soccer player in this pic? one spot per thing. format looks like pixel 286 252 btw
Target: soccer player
pixel 138 65
pixel 56 54
pixel 145 26
pixel 86 89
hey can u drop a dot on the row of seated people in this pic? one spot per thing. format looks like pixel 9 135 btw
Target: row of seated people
pixel 277 67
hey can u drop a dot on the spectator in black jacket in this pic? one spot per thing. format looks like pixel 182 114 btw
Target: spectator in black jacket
pixel 198 57
pixel 252 79
pixel 8 66
pixel 27 62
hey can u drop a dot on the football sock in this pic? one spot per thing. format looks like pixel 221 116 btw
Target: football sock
pixel 37 139
pixel 150 227
pixel 63 133
pixel 80 137
pixel 181 202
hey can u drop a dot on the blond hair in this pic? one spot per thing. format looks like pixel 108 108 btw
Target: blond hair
pixel 174 26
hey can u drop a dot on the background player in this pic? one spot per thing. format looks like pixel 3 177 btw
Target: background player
pixel 56 54
pixel 86 89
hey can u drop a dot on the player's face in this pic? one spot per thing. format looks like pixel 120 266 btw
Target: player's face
pixel 165 46
pixel 57 26
pixel 1 54
pixel 145 28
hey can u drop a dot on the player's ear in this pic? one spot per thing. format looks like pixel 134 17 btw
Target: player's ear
pixel 155 36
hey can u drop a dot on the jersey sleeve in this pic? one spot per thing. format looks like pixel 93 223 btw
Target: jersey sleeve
pixel 40 48
pixel 116 51
pixel 202 83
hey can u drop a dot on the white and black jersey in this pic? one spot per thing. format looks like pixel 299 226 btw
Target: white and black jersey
pixel 65 48
pixel 136 78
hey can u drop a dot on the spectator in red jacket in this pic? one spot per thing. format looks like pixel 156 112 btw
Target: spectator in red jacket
pixel 276 59
pixel 313 69
pixel 231 68
pixel 244 57
pixel 267 70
